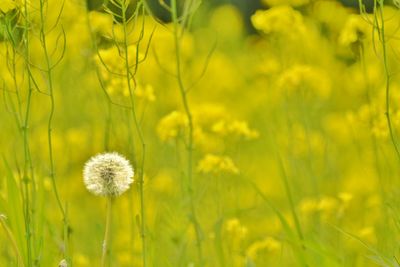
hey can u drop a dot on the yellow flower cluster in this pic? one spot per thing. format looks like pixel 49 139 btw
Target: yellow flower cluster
pixel 305 81
pixel 172 125
pixel 355 30
pixel 281 19
pixel 326 206
pixel 309 85
pixel 268 244
pixel 7 5
pixel 235 127
pixel 234 227
pixel 215 164
pixel 113 72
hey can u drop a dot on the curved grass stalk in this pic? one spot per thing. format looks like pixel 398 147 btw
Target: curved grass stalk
pixel 189 146
pixel 383 40
pixel 291 201
pixel 49 76
pixel 12 240
pixel 25 127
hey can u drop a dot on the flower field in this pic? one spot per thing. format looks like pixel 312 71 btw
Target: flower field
pixel 194 133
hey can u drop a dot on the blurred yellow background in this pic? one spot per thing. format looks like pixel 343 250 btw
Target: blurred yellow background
pixel 293 163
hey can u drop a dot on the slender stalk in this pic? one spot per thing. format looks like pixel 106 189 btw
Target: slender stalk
pixel 294 213
pixel 387 77
pixel 12 240
pixel 49 73
pixel 107 129
pixel 107 231
pixel 129 80
pixel 291 201
pixel 25 127
pixel 189 116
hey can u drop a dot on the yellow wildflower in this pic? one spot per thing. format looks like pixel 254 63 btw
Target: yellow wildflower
pixel 145 92
pixel 269 244
pixel 280 20
pixel 100 22
pixel 308 206
pixel 306 80
pixel 355 30
pixel 7 5
pixel 367 234
pixel 235 127
pixel 171 125
pixel 214 164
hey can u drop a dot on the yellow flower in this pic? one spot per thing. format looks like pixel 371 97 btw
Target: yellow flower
pixel 7 5
pixel 112 67
pixel 81 260
pixel 280 20
pixel 327 204
pixel 306 80
pixel 214 164
pixel 345 197
pixel 100 22
pixel 235 127
pixel 269 244
pixel 308 206
pixel 235 228
pixel 171 125
pixel 355 29
pixel 367 234
pixel 145 92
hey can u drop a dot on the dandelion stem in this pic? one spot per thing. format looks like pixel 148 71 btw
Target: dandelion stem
pixel 107 231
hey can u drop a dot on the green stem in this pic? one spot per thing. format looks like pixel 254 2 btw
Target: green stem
pixel 388 78
pixel 188 113
pixel 129 79
pixel 12 240
pixel 107 231
pixel 27 156
pixel 49 129
pixel 291 201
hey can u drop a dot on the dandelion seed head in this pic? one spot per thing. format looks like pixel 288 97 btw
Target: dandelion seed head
pixel 108 174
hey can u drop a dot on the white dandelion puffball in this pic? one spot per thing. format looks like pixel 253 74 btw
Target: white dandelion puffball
pixel 108 174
